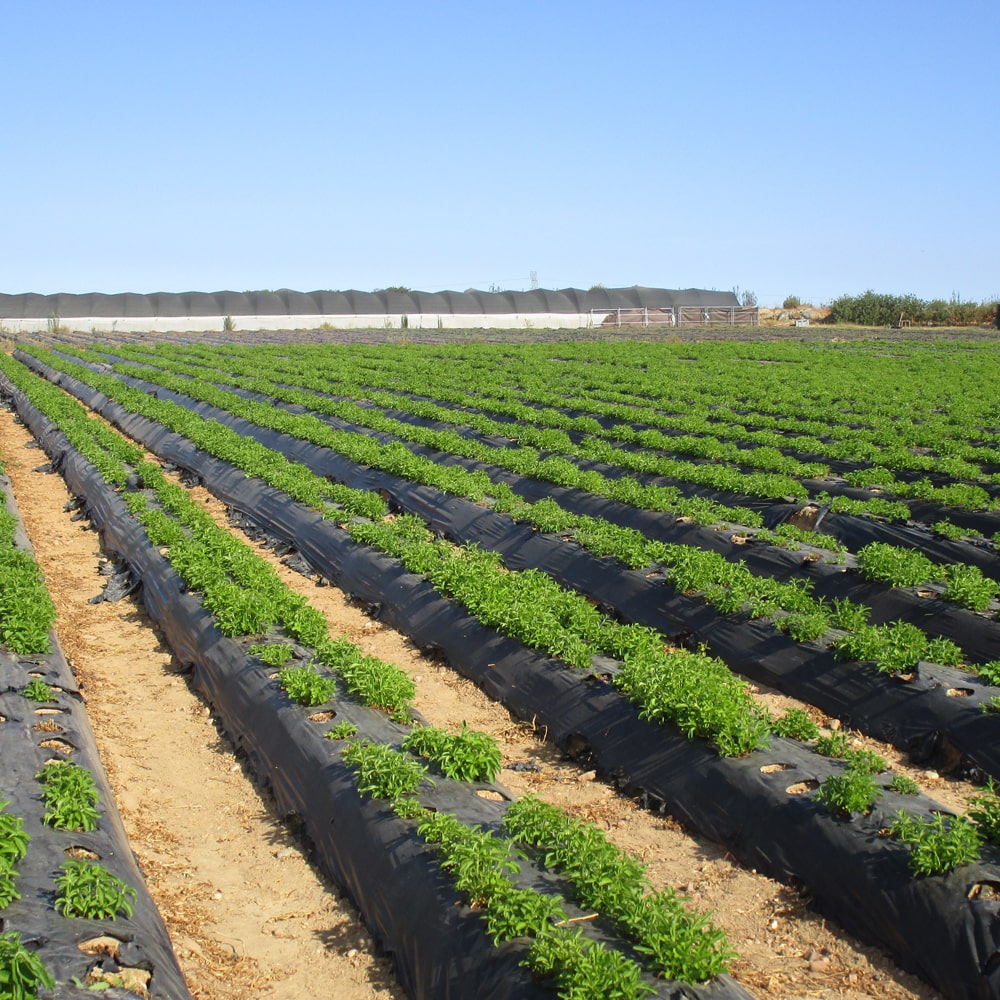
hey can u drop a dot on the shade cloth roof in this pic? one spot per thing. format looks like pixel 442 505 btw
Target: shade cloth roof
pixel 286 302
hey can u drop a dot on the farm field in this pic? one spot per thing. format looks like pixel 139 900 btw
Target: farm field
pixel 750 586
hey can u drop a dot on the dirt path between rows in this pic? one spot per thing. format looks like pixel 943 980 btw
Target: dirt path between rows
pixel 248 915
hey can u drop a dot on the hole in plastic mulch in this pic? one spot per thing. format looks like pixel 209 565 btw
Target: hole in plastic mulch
pixel 801 787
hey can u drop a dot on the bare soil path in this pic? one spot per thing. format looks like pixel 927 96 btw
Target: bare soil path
pixel 248 915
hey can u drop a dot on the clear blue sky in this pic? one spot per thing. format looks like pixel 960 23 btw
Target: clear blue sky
pixel 788 148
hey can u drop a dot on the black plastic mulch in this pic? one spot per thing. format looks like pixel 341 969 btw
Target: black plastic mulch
pixel 853 873
pixel 143 939
pixel 438 945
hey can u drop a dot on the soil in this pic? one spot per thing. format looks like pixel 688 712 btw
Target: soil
pixel 248 914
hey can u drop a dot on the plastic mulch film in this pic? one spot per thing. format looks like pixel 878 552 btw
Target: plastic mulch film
pixel 438 944
pixel 32 734
pixel 936 713
pixel 941 927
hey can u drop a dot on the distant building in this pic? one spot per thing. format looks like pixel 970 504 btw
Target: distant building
pixel 540 308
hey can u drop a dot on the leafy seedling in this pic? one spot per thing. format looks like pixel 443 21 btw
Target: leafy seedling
pixel 87 889
pixel 939 844
pixel 37 690
pixel 22 972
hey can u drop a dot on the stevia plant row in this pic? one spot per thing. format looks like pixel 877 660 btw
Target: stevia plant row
pixel 175 524
pixel 727 585
pixel 836 802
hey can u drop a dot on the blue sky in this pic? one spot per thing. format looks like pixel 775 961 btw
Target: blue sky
pixel 812 149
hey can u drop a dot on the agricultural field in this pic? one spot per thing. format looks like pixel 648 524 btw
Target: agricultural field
pixel 582 668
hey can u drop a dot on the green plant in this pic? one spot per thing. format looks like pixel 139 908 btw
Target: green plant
pixel 791 302
pixel 87 889
pixel 939 844
pixel 946 529
pixel 585 969
pixel 409 807
pixel 865 761
pixel 70 796
pixel 989 673
pixel 834 744
pixel 37 690
pixel 984 810
pixel 681 944
pixel 227 324
pixel 273 654
pixel 850 792
pixel 944 651
pixel 377 683
pixel 966 585
pixel 894 566
pixel 806 626
pixel 894 648
pixel 849 616
pixel 903 785
pixel 465 756
pixel 342 731
pixel 22 972
pixel 13 840
pixel 383 773
pixel 796 724
pixel 13 847
pixel 306 686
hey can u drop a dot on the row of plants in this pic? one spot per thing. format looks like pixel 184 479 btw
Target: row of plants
pixel 546 454
pixel 866 406
pixel 26 610
pixel 83 889
pixel 381 770
pixel 390 522
pixel 727 585
pixel 713 412
pixel 677 943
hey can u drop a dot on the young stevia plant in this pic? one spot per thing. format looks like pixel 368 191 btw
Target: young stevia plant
pixel 383 773
pixel 865 761
pixel 13 847
pixel 37 690
pixel 796 725
pixel 70 796
pixel 966 585
pixel 87 889
pixel 903 785
pixel 853 791
pixel 939 844
pixel 22 972
pixel 273 654
pixel 984 810
pixel 342 731
pixel 989 673
pixel 896 567
pixel 467 755
pixel 306 686
pixel 836 744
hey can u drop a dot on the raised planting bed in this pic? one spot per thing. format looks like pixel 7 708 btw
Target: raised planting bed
pixel 75 913
pixel 941 925
pixel 375 846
